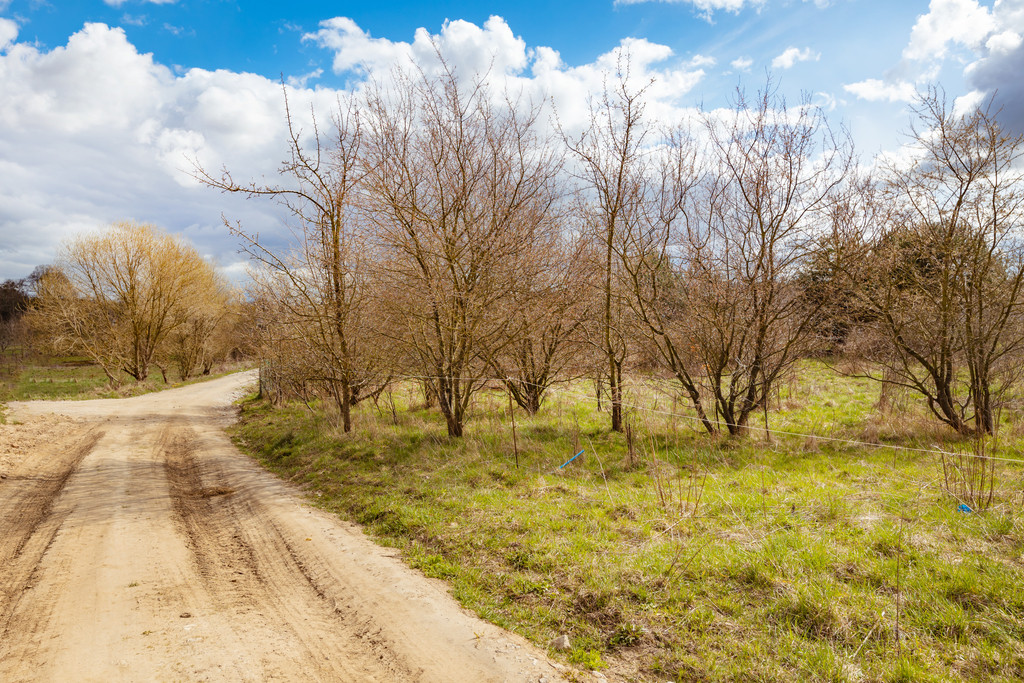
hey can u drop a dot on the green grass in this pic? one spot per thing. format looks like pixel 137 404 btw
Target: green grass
pixel 56 378
pixel 787 570
pixel 73 377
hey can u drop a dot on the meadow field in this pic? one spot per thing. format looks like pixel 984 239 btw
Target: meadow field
pixel 841 544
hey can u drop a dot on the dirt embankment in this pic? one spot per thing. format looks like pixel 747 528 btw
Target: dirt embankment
pixel 139 544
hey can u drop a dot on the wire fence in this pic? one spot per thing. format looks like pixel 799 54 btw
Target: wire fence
pixel 556 389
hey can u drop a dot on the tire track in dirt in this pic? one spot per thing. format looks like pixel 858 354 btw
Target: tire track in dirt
pixel 26 508
pixel 76 611
pixel 249 569
pixel 213 539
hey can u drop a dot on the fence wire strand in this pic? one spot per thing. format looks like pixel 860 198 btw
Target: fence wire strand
pixel 717 422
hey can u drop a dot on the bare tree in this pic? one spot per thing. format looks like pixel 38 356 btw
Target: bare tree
pixel 654 261
pixel 720 236
pixel 115 296
pixel 321 285
pixel 773 174
pixel 457 183
pixel 548 311
pixel 611 163
pixel 942 266
pixel 195 345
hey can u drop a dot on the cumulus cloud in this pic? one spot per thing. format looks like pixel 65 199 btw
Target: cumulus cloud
pixel 304 79
pixel 791 55
pixel 8 33
pixel 706 7
pixel 354 49
pixel 875 90
pixel 742 63
pixel 699 61
pixel 1000 63
pixel 999 75
pixel 965 104
pixel 476 49
pixel 991 45
pixel 1003 43
pixel 964 22
pixel 538 74
pixel 95 131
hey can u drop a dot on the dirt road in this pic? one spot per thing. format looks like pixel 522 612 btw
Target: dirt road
pixel 137 544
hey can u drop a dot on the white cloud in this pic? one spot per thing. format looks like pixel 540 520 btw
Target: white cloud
pixel 355 49
pixel 118 3
pixel 991 42
pixel 964 22
pixel 1002 43
pixel 8 33
pixel 94 131
pixel 875 90
pixel 792 55
pixel 538 73
pixel 301 81
pixel 965 104
pixel 1000 63
pixel 491 48
pixel 698 61
pixel 742 63
pixel 706 7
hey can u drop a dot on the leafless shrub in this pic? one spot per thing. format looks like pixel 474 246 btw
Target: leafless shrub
pixel 457 186
pixel 936 255
pixel 970 477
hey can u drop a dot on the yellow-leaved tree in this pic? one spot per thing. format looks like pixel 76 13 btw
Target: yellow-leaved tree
pixel 116 296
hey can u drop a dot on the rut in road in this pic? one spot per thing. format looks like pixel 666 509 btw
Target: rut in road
pixel 248 568
pixel 29 526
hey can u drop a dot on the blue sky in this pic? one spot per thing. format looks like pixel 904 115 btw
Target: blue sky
pixel 104 102
pixel 265 37
pixel 855 39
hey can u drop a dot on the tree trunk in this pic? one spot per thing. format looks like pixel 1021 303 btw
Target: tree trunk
pixel 615 392
pixel 451 406
pixel 694 395
pixel 533 401
pixel 346 407
pixel 453 420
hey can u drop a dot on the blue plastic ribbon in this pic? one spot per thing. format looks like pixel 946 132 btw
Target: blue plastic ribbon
pixel 570 460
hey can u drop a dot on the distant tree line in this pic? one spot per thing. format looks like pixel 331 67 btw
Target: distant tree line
pixel 15 298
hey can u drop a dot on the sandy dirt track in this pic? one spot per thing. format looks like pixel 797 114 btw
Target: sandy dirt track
pixel 138 544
